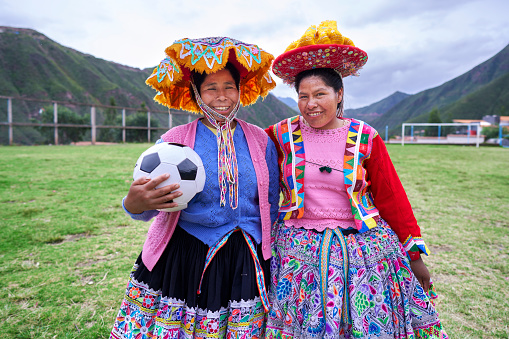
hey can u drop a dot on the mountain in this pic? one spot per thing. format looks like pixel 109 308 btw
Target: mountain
pixel 373 111
pixel 290 103
pixel 416 107
pixel 266 112
pixel 490 99
pixel 34 66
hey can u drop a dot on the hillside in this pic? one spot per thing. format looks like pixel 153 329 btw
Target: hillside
pixel 290 103
pixel 373 111
pixel 266 112
pixel 490 99
pixel 34 66
pixel 421 103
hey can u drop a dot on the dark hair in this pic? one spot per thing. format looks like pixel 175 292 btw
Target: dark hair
pixel 199 78
pixel 329 76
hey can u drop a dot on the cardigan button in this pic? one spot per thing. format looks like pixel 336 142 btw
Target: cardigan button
pixel 264 247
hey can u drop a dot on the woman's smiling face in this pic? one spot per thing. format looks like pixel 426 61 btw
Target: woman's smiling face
pixel 219 92
pixel 318 103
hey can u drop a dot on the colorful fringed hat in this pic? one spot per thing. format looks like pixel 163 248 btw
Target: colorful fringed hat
pixel 320 47
pixel 171 79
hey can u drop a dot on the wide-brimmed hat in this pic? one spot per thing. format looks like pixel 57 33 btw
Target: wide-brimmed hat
pixel 320 47
pixel 171 79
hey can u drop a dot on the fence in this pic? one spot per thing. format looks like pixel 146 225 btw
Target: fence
pixel 25 115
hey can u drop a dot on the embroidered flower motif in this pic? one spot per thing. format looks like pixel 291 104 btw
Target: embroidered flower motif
pixel 219 51
pixel 316 323
pixel 125 318
pixel 212 326
pixel 254 50
pixel 143 329
pixel 134 292
pixel 203 323
pixel 177 315
pixel 148 301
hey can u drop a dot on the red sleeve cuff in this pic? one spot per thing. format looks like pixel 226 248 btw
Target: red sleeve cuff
pixel 414 255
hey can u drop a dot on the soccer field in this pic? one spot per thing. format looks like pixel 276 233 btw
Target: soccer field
pixel 66 247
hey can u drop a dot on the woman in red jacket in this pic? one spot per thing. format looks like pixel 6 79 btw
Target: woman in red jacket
pixel 347 248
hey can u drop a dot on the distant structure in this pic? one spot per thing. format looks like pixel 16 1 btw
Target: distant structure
pixel 459 132
pixel 492 119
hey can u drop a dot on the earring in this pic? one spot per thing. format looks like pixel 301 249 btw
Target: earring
pixel 339 113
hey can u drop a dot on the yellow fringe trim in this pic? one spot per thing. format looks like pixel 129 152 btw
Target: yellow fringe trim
pixel 326 33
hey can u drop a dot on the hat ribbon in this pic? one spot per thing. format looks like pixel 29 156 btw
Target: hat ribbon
pixel 228 173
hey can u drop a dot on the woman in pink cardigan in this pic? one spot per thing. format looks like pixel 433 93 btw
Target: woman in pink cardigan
pixel 203 271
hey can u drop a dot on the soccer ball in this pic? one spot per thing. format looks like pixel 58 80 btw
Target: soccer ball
pixel 182 163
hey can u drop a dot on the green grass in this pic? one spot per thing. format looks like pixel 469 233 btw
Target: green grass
pixel 66 247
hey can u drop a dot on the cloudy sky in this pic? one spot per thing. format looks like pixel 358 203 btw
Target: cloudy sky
pixel 412 45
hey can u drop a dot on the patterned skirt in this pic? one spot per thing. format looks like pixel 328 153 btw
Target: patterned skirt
pixel 165 303
pixel 381 298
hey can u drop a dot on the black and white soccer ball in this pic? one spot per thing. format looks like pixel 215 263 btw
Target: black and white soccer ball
pixel 182 163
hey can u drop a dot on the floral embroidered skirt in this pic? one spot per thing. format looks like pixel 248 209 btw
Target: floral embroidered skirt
pixel 164 303
pixel 382 297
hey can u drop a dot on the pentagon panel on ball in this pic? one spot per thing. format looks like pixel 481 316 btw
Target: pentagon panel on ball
pixel 182 163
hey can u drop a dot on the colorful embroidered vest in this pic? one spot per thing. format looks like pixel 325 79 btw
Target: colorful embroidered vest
pixel 287 136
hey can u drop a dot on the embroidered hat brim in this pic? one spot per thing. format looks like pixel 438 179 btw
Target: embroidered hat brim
pixel 320 47
pixel 171 79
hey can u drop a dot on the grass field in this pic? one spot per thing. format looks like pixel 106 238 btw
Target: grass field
pixel 66 247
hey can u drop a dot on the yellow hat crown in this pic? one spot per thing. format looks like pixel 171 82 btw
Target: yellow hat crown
pixel 326 33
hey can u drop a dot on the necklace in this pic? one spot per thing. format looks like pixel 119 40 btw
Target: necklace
pixel 324 168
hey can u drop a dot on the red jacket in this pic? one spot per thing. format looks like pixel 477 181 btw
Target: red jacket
pixel 371 181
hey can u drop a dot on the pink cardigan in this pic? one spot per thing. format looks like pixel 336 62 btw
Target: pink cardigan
pixel 162 228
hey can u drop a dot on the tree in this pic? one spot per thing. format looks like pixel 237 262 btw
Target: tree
pixel 110 118
pixel 139 119
pixel 434 117
pixel 66 135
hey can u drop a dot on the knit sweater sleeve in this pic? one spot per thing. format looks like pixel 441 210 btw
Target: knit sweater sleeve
pixel 272 165
pixel 391 200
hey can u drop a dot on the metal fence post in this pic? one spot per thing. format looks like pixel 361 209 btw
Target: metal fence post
pixel 123 125
pixel 439 132
pixel 478 135
pixel 189 118
pixel 148 126
pixel 92 122
pixel 9 120
pixel 55 121
pixel 170 119
pixel 403 135
pixel 386 133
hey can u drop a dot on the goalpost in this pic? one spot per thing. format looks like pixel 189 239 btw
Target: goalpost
pixel 476 126
pixel 501 135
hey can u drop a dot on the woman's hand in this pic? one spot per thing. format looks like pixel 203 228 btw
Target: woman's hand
pixel 143 195
pixel 421 273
